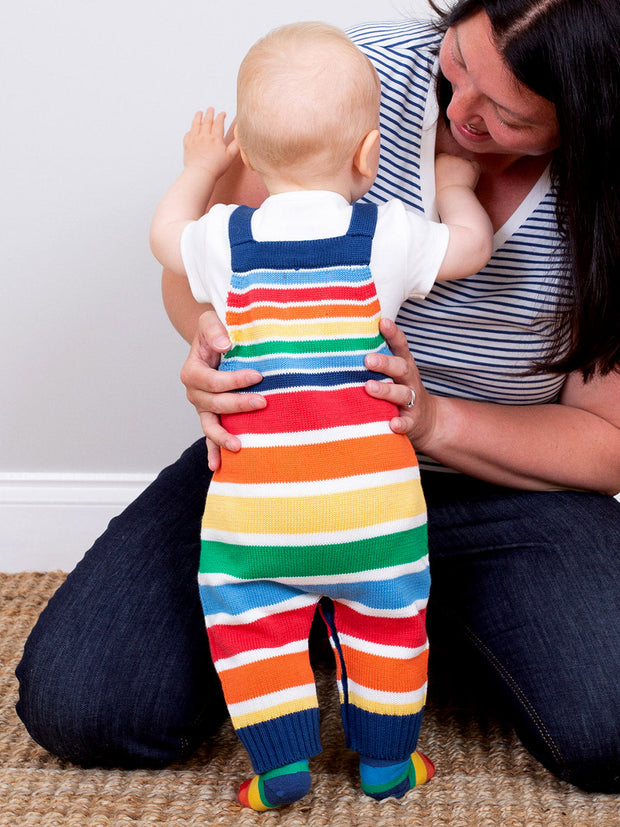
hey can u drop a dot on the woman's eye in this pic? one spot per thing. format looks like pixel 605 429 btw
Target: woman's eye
pixel 456 58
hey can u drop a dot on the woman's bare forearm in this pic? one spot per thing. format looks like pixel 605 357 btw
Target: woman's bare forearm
pixel 538 447
pixel 182 308
pixel 572 444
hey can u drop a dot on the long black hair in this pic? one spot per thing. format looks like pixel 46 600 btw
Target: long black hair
pixel 568 51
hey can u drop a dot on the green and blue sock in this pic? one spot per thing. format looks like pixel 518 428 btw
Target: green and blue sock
pixel 382 779
pixel 276 788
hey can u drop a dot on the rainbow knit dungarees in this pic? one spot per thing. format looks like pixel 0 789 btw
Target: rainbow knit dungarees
pixel 323 500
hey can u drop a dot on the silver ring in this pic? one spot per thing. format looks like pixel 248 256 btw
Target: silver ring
pixel 411 402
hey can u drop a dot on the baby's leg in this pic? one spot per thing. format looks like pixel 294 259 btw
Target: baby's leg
pixel 382 663
pixel 260 651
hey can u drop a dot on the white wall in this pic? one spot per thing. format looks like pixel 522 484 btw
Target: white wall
pixel 94 99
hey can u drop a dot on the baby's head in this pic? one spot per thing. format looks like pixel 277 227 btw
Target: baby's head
pixel 306 98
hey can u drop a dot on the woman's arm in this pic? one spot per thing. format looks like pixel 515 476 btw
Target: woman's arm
pixel 573 444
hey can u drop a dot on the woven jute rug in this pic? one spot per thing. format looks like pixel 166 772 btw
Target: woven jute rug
pixel 484 777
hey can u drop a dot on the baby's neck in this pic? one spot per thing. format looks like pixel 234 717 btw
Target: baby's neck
pixel 341 184
pixel 310 186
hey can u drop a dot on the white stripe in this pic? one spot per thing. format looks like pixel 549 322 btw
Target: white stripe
pixel 366 576
pixel 271 699
pixel 378 696
pixel 254 655
pixel 323 537
pixel 297 602
pixel 382 650
pixel 298 388
pixel 357 482
pixel 336 434
pixel 406 611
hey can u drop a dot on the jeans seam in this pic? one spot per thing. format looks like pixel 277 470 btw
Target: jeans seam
pixel 521 696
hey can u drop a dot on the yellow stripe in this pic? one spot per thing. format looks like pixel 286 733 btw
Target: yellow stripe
pixel 314 514
pixel 268 714
pixel 305 330
pixel 420 768
pixel 383 709
pixel 254 799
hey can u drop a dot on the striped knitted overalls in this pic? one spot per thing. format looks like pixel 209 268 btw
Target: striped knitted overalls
pixel 323 500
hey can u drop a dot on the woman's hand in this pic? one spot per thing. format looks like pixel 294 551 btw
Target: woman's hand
pixel 418 421
pixel 209 389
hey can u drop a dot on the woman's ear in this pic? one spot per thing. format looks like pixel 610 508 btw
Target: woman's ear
pixel 366 158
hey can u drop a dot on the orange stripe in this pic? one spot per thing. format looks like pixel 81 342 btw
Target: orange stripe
pixel 318 312
pixel 332 460
pixel 386 674
pixel 271 675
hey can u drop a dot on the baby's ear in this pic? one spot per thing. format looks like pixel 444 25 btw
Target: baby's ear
pixel 244 157
pixel 366 157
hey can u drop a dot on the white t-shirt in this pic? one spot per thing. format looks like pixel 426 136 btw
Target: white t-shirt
pixel 407 249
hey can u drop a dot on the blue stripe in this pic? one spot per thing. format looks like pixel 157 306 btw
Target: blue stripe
pixel 313 380
pixel 316 277
pixel 292 364
pixel 393 594
pixel 237 598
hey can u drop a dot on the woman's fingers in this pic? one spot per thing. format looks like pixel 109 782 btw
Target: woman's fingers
pixel 416 406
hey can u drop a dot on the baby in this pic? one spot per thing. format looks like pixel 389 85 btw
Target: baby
pixel 322 507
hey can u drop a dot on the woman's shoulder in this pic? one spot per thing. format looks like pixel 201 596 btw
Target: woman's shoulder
pixel 397 35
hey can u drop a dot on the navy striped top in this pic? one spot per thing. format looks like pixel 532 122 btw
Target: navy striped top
pixel 473 338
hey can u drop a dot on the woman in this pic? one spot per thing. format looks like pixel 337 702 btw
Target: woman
pixel 516 388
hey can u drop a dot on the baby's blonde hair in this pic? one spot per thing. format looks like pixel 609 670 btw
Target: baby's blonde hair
pixel 305 95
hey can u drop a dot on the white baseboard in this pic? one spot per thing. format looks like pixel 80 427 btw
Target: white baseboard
pixel 48 521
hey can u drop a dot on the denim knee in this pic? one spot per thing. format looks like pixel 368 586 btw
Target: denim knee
pixel 111 720
pixel 586 763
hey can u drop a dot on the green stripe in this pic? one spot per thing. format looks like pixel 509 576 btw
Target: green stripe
pixel 287 769
pixel 262 795
pixel 313 561
pixel 318 346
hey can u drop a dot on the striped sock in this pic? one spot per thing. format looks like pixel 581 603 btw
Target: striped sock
pixel 382 779
pixel 276 788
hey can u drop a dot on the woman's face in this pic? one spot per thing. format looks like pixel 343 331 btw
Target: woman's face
pixel 490 110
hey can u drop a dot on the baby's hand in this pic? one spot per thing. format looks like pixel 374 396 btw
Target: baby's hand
pixel 204 146
pixel 452 170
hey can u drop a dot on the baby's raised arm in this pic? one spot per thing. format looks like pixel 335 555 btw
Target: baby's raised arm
pixel 206 157
pixel 471 234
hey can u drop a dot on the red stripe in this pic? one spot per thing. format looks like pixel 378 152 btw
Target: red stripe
pixel 288 295
pixel 310 410
pixel 267 632
pixel 386 631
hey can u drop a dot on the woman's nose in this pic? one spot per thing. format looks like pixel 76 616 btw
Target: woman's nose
pixel 463 107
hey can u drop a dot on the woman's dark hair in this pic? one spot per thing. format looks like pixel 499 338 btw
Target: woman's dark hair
pixel 568 51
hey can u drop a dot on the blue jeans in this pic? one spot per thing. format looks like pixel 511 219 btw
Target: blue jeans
pixel 117 670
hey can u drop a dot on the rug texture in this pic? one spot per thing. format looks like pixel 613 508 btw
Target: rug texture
pixel 484 777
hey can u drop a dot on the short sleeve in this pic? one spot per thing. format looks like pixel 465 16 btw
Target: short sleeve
pixel 206 255
pixel 407 253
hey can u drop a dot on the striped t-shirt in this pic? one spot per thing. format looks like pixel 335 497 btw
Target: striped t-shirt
pixel 473 338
